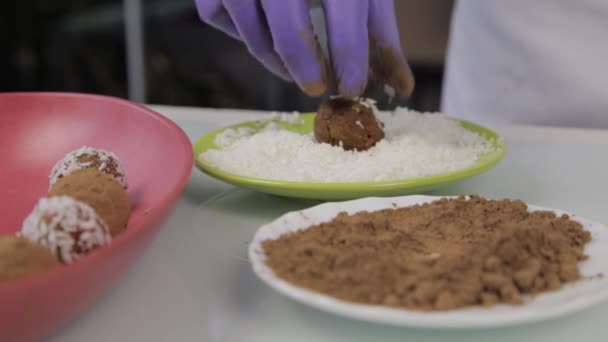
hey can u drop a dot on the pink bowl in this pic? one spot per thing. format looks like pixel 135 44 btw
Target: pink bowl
pixel 38 129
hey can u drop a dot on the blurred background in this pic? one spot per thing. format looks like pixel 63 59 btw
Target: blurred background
pixel 93 46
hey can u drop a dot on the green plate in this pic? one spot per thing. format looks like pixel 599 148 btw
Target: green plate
pixel 346 191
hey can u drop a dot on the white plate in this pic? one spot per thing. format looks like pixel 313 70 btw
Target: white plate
pixel 570 298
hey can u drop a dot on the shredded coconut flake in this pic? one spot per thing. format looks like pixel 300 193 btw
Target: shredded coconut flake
pixel 68 228
pixel 389 91
pixel 415 145
pixel 371 104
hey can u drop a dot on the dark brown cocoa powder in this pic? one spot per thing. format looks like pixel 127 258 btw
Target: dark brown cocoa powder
pixel 444 255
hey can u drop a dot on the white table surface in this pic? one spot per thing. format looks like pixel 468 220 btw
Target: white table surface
pixel 194 284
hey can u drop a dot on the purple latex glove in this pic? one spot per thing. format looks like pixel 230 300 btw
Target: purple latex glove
pixel 362 35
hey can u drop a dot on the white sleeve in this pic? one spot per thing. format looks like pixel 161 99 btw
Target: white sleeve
pixel 529 62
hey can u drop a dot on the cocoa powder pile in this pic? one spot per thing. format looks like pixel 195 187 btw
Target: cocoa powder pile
pixel 443 255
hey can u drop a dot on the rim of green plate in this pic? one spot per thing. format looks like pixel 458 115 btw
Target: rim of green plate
pixel 484 163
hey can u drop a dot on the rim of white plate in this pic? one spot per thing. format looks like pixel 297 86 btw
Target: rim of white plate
pixel 571 298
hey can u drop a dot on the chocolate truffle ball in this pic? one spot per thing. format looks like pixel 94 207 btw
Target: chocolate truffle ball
pixel 351 124
pixel 67 227
pixel 100 191
pixel 87 157
pixel 19 257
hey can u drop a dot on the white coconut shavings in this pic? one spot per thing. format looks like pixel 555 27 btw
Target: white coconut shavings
pixel 367 102
pixel 290 118
pixel 68 228
pixel 371 104
pixel 416 145
pixel 71 163
pixel 230 136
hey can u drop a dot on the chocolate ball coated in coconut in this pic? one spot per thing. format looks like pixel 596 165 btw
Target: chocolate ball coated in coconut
pixel 67 227
pixel 351 124
pixel 100 191
pixel 89 158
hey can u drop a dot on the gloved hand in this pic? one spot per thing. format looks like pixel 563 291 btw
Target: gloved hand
pixel 362 35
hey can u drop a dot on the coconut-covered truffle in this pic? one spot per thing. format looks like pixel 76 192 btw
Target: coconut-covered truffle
pixel 67 227
pixel 19 257
pixel 101 192
pixel 87 157
pixel 351 124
